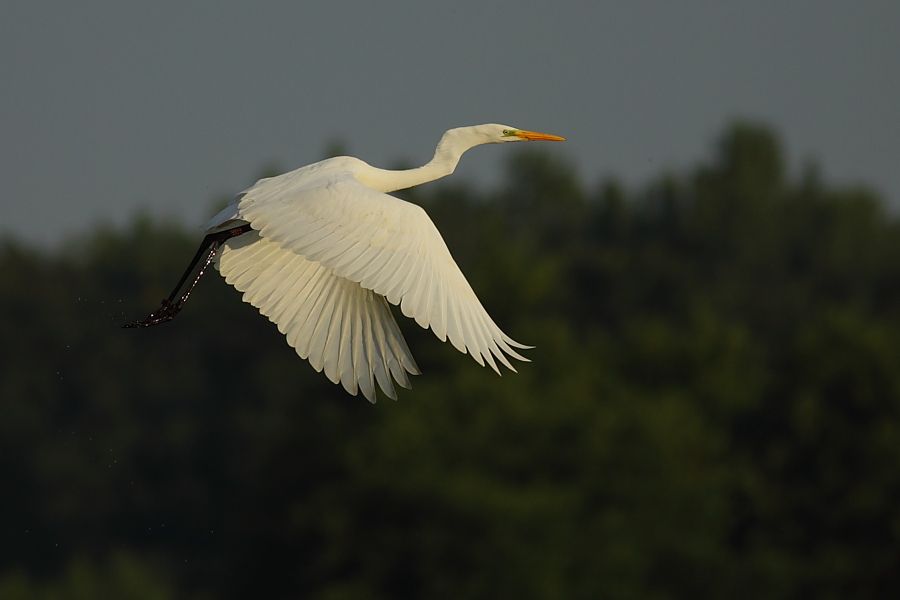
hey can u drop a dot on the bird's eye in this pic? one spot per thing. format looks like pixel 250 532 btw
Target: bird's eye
pixel 507 132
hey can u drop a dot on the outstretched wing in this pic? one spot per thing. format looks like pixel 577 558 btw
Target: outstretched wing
pixel 339 326
pixel 386 245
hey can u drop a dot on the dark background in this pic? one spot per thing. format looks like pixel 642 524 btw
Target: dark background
pixel 712 411
pixel 110 107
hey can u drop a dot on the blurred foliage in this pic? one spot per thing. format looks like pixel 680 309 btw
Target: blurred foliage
pixel 713 409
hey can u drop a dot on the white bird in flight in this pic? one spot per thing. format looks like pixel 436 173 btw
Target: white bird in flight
pixel 323 249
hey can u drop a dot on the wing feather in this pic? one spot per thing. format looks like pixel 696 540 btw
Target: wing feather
pixel 308 328
pixel 372 353
pixel 323 315
pixel 380 361
pixel 454 330
pixel 439 325
pixel 385 245
pixel 294 320
pixel 343 329
pixel 332 352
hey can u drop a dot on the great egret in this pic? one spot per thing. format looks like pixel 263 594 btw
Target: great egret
pixel 322 250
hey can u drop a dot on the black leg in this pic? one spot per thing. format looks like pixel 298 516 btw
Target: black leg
pixel 170 306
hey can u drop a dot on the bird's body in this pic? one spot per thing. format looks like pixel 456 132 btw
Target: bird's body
pixel 322 251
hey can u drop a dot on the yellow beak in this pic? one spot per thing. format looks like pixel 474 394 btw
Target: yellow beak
pixel 535 136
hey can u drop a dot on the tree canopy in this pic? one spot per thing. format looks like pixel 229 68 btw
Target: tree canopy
pixel 712 410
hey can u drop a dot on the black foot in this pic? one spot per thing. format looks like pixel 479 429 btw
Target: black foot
pixel 170 309
pixel 163 314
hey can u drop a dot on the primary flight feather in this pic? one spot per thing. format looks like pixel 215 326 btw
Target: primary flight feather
pixel 323 249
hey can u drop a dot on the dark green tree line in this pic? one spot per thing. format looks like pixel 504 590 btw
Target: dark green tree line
pixel 712 410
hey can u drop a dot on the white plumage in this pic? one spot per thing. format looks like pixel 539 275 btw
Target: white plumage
pixel 329 249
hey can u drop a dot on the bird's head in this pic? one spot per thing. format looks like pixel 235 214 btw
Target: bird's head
pixel 456 141
pixel 506 133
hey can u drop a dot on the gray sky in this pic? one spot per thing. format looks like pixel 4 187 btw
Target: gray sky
pixel 111 107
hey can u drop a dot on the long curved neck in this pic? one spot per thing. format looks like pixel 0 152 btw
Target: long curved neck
pixel 446 156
